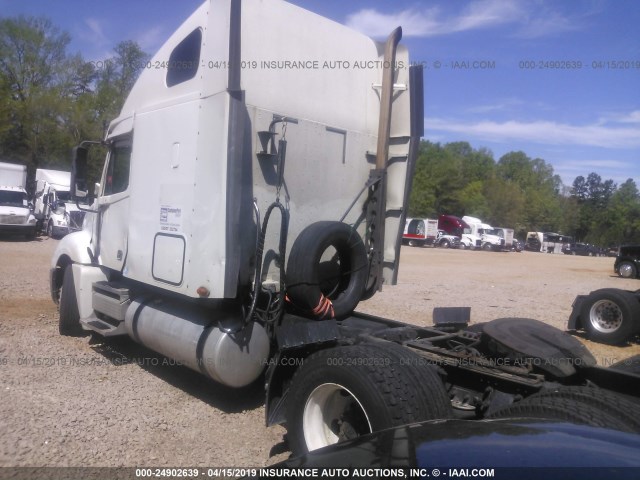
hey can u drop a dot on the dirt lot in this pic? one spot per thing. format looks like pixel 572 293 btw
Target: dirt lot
pixel 79 402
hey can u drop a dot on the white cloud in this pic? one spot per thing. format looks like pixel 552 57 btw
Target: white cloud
pixel 631 117
pixel 151 39
pixel 529 19
pixel 414 22
pixel 486 13
pixel 546 24
pixel 95 34
pixel 542 132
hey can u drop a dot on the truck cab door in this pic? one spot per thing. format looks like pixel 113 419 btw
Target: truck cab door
pixel 113 205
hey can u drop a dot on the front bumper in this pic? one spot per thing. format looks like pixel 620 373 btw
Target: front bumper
pixel 22 229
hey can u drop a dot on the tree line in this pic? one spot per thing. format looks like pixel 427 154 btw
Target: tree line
pixel 522 193
pixel 50 100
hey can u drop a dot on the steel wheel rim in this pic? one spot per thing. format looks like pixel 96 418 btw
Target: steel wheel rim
pixel 325 419
pixel 626 270
pixel 605 316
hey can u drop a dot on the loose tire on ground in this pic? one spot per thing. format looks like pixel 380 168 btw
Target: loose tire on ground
pixel 345 392
pixel 305 285
pixel 610 315
pixel 69 322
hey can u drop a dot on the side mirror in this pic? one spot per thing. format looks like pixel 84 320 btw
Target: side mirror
pixel 79 173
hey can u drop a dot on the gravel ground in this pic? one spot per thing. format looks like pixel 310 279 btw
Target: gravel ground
pixel 82 402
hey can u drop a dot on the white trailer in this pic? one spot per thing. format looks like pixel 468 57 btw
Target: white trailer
pixel 56 213
pixel 15 211
pixel 547 242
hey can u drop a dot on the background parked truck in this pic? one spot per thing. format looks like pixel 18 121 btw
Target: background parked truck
pixel 547 242
pixel 16 216
pixel 56 213
pixel 420 231
pixel 489 238
pixel 453 225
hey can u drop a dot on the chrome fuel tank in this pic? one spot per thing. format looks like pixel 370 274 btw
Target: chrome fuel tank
pixel 191 336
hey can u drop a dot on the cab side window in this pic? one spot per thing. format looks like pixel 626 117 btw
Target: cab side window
pixel 117 179
pixel 185 59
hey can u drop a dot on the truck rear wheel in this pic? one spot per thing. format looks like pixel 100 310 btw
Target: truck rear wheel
pixel 570 406
pixel 345 392
pixel 69 321
pixel 610 315
pixel 607 401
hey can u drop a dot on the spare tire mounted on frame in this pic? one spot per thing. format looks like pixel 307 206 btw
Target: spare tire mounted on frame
pixel 327 270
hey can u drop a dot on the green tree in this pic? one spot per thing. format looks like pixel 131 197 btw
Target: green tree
pixel 116 78
pixel 621 224
pixel 32 61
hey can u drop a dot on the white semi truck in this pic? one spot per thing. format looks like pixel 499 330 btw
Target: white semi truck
pixel 16 215
pixel 53 208
pixel 244 210
pixel 490 239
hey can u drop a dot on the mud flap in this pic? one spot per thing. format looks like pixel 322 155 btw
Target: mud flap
pixel 536 343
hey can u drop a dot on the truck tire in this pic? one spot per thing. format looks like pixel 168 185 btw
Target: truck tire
pixel 607 401
pixel 563 409
pixel 631 365
pixel 610 315
pixel 445 243
pixel 627 270
pixel 69 321
pixel 345 392
pixel 50 229
pixel 305 286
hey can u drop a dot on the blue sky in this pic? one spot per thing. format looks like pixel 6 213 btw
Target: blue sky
pixel 500 74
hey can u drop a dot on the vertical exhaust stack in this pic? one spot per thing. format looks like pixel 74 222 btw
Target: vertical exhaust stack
pixel 378 177
pixel 235 151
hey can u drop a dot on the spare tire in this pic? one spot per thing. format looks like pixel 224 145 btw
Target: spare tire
pixel 327 270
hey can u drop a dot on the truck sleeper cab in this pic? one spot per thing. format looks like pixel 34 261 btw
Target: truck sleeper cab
pixel 243 213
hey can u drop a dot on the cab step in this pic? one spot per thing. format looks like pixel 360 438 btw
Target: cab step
pixel 102 327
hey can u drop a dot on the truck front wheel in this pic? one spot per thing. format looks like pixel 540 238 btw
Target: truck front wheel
pixel 69 322
pixel 345 392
